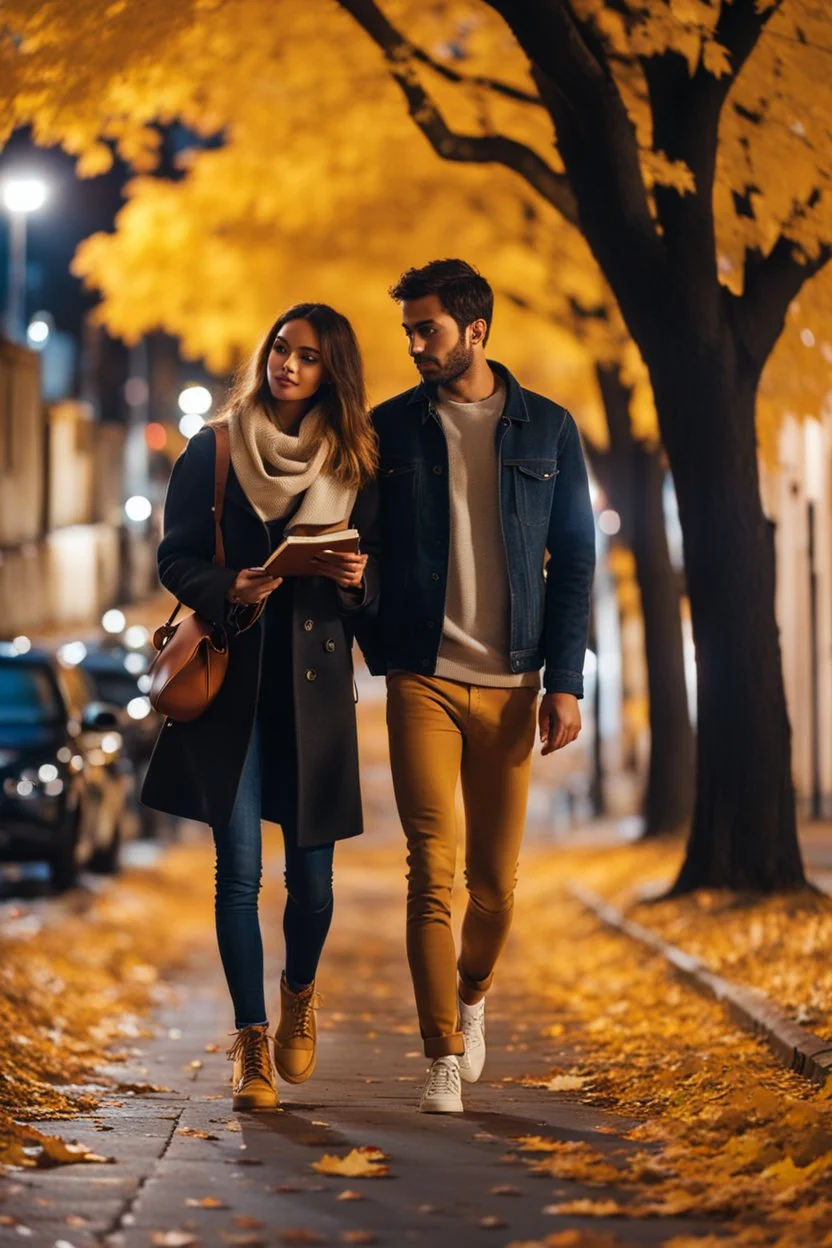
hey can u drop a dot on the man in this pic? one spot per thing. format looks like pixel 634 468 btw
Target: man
pixel 480 481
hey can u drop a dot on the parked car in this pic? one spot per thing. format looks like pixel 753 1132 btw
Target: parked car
pixel 63 785
pixel 119 676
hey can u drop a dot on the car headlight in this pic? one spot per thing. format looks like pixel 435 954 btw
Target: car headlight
pixel 25 788
pixel 34 782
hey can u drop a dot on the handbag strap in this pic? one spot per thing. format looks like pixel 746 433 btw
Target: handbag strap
pixel 222 461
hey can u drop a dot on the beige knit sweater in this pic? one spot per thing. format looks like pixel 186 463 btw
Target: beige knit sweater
pixel 475 631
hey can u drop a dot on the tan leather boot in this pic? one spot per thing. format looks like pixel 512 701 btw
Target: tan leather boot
pixel 253 1082
pixel 296 1036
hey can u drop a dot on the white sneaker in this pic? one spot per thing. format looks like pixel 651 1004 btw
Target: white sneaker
pixel 472 1023
pixel 442 1093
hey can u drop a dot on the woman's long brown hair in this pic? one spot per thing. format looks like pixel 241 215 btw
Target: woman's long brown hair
pixel 353 451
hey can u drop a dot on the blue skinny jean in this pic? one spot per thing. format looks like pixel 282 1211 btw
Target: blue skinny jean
pixel 308 911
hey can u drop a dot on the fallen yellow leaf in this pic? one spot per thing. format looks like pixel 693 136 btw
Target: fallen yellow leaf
pixel 358 1164
pixel 588 1208
pixel 565 1083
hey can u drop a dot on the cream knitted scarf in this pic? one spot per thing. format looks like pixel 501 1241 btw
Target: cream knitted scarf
pixel 275 468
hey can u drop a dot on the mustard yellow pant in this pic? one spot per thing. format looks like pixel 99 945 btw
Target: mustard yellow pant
pixel 441 732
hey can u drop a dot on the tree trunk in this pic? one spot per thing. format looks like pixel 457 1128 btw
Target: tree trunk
pixel 744 832
pixel 668 803
pixel 632 473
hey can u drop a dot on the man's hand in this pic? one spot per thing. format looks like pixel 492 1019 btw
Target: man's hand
pixel 343 567
pixel 560 721
pixel 252 585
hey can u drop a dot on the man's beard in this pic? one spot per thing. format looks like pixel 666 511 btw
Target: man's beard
pixel 456 362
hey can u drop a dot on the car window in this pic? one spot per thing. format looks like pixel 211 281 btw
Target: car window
pixel 78 688
pixel 116 687
pixel 27 695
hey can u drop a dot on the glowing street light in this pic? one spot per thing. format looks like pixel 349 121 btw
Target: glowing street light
pixel 194 404
pixel 136 637
pixel 20 197
pixel 195 400
pixel 23 194
pixel 38 331
pixel 190 424
pixel 138 508
pixel 609 522
pixel 113 621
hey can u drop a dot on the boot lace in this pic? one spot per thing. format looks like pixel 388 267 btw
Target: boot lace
pixel 444 1080
pixel 251 1047
pixel 303 1015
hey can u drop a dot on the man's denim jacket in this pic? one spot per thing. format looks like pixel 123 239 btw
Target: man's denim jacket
pixel 548 536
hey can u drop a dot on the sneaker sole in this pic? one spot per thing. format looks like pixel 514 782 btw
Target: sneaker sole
pixel 445 1107
pixel 296 1079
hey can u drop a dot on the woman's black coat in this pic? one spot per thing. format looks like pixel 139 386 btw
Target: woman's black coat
pixel 195 768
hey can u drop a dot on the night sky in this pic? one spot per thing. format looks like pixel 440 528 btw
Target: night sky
pixel 75 209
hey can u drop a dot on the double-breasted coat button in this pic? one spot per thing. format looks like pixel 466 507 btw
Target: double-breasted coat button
pixel 311 674
pixel 329 645
pixel 309 625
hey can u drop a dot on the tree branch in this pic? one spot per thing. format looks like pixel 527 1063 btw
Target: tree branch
pixel 475 80
pixel 471 149
pixel 771 283
pixel 598 145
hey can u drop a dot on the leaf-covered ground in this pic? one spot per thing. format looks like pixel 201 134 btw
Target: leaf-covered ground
pixel 779 945
pixel 722 1129
pixel 75 990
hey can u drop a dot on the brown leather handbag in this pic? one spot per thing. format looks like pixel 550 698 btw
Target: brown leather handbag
pixel 187 673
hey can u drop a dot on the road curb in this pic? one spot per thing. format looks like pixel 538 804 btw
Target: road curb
pixel 797 1048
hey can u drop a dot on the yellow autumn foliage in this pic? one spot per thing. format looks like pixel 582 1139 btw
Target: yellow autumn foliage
pixel 323 187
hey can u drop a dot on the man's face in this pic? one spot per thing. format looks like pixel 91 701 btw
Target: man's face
pixel 440 352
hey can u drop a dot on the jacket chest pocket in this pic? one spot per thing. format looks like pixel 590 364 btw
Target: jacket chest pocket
pixel 397 480
pixel 534 482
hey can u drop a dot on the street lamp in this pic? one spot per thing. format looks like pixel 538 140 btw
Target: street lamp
pixel 20 197
pixel 38 330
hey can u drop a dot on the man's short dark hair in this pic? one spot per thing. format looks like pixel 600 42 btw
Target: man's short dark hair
pixel 463 292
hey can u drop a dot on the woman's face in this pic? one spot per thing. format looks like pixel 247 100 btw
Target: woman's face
pixel 294 370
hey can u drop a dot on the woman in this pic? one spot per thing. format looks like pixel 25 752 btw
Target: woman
pixel 279 742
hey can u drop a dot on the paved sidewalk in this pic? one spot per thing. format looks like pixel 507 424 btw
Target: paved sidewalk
pixel 444 1169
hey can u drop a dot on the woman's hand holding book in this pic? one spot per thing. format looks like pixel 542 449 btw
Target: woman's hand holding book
pixel 251 586
pixel 346 568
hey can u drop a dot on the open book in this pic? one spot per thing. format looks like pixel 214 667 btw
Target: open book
pixel 295 556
